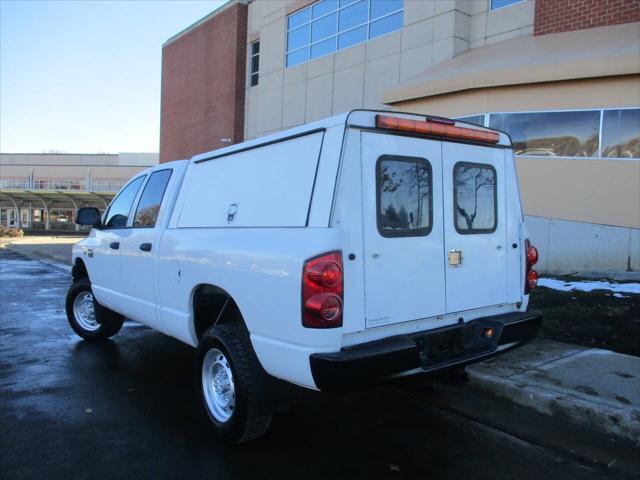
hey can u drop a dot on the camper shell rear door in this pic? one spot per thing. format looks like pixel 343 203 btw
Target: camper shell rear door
pixel 474 226
pixel 404 276
pixel 434 228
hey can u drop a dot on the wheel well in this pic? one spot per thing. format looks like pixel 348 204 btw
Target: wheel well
pixel 79 270
pixel 212 306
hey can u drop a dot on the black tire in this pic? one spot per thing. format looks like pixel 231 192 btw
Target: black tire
pixel 108 322
pixel 249 420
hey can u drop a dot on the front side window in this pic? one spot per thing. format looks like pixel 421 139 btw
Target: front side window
pixel 330 25
pixel 551 134
pixel 474 192
pixel 254 66
pixel 404 201
pixel 118 212
pixel 151 199
pixel 621 133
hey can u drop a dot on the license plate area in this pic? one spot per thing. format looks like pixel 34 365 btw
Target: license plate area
pixel 460 341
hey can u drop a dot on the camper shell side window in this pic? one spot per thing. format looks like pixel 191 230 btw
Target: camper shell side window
pixel 403 196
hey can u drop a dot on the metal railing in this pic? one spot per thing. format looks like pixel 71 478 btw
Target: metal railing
pixel 106 186
pixel 14 183
pixel 53 184
pixel 50 184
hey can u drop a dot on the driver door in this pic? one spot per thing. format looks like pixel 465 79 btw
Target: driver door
pixel 106 275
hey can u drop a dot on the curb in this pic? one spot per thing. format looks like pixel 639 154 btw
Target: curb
pixel 598 416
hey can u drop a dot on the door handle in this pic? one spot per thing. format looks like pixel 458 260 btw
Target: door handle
pixel 114 245
pixel 145 247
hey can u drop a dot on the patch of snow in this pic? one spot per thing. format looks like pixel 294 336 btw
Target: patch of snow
pixel 589 286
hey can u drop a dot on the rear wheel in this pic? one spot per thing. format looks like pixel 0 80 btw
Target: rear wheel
pixel 87 317
pixel 230 378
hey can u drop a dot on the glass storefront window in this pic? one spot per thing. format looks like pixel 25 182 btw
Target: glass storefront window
pixel 621 133
pixel 551 134
pixel 475 119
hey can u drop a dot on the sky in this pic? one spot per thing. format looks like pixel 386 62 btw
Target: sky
pixel 84 76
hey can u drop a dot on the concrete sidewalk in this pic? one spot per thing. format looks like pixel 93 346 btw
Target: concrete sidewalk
pixel 55 249
pixel 595 388
pixel 598 389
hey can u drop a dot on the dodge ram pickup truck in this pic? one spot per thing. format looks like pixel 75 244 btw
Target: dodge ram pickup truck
pixel 336 255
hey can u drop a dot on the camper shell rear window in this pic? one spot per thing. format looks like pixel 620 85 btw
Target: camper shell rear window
pixel 403 196
pixel 475 199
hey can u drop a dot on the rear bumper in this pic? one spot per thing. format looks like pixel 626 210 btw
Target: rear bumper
pixel 429 351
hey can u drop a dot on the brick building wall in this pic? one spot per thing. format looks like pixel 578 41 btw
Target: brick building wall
pixel 203 85
pixel 554 16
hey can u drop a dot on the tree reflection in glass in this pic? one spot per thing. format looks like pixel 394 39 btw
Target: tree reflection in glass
pixel 404 193
pixel 621 133
pixel 475 197
pixel 551 134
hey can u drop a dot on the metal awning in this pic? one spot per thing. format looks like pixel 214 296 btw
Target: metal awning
pixel 52 199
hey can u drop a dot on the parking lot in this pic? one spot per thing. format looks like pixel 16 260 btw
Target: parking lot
pixel 127 408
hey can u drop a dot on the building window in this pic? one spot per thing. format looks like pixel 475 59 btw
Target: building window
pixel 330 25
pixel 496 4
pixel 254 63
pixel 606 133
pixel 621 133
pixel 551 134
pixel 475 119
pixel 403 187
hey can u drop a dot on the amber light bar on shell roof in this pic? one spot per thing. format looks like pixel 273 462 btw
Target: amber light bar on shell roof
pixel 435 128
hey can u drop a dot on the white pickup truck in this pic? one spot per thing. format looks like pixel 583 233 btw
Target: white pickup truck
pixel 335 255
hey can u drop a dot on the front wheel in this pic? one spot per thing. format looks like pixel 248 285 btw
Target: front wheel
pixel 87 317
pixel 231 379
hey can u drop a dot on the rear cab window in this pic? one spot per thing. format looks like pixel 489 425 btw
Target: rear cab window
pixel 475 199
pixel 404 203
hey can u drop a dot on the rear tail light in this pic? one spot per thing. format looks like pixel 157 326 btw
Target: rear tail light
pixel 531 276
pixel 436 126
pixel 322 291
pixel 532 254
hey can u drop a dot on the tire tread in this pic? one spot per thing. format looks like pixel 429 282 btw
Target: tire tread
pixel 110 321
pixel 249 376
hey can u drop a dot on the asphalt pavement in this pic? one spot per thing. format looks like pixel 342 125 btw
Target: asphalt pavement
pixel 127 408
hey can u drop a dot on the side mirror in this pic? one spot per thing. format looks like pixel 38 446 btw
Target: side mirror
pixel 88 216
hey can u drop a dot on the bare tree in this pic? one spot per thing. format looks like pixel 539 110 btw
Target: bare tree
pixel 472 180
pixel 413 177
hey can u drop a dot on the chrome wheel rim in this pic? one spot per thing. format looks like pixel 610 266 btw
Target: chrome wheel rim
pixel 217 385
pixel 84 312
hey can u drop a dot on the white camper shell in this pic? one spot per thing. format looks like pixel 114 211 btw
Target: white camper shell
pixel 354 250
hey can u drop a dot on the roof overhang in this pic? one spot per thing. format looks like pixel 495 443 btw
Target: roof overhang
pixel 55 198
pixel 597 52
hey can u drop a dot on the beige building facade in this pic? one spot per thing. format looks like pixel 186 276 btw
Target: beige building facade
pixel 42 191
pixel 357 76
